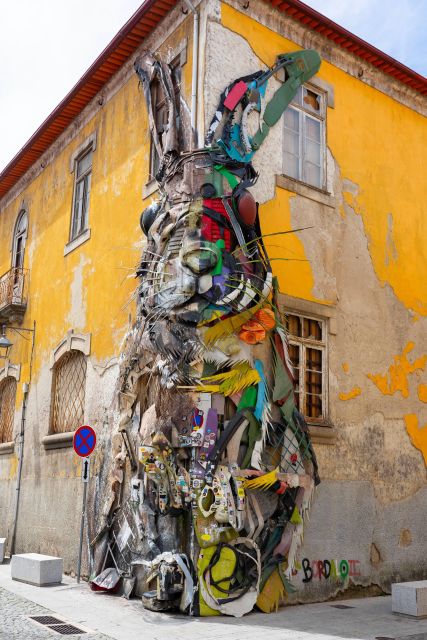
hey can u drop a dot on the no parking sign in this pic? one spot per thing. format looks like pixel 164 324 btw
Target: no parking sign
pixel 84 441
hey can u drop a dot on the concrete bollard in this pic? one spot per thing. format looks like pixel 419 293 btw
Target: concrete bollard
pixel 410 598
pixel 2 549
pixel 37 569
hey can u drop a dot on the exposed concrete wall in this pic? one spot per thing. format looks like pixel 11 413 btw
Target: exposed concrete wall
pixel 370 506
pixel 358 259
pixel 89 290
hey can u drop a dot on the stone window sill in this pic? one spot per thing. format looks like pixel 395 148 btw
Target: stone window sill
pixel 76 242
pixel 306 190
pixel 58 440
pixel 6 448
pixel 149 188
pixel 322 434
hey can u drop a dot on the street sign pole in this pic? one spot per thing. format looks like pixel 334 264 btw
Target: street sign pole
pixel 84 442
pixel 85 479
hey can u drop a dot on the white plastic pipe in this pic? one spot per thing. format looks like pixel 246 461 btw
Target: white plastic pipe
pixel 195 71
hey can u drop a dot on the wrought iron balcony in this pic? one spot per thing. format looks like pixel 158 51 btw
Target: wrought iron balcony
pixel 13 295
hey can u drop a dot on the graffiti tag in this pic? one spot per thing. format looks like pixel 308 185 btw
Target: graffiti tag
pixel 330 569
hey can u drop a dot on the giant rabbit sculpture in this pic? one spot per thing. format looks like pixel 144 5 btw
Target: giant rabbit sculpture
pixel 225 470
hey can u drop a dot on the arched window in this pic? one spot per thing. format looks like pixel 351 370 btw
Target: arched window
pixel 7 408
pixel 19 238
pixel 68 392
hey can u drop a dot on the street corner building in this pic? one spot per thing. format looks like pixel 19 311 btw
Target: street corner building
pixel 212 252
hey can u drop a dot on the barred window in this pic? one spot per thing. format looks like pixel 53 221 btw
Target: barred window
pixel 68 392
pixel 307 350
pixel 7 408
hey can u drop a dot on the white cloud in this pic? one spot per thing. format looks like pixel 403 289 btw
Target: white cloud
pixel 45 47
pixel 392 26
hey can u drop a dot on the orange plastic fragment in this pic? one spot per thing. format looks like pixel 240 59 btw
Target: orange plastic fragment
pixel 266 318
pixel 251 337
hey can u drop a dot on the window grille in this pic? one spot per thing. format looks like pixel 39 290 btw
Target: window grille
pixel 305 139
pixel 308 353
pixel 68 392
pixel 7 408
pixel 83 175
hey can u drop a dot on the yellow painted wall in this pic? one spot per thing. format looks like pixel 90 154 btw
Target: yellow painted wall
pixel 387 166
pixel 99 271
pixel 380 147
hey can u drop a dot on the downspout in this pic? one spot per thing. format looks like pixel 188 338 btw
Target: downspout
pixel 26 389
pixel 195 72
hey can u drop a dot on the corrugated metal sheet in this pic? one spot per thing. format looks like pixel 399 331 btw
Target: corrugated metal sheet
pixel 128 40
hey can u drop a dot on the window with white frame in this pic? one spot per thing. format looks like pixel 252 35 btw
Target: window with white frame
pixel 304 156
pixel 82 182
pixel 308 352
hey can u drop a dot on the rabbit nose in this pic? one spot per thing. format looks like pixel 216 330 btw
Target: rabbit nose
pixel 199 258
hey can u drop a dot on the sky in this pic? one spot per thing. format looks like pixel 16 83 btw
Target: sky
pixel 45 47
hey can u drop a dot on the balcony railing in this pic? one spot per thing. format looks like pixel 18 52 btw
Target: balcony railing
pixel 13 294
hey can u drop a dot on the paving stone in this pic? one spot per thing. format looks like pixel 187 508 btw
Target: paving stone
pixel 15 625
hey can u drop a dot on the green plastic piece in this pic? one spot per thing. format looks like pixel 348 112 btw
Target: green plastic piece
pixel 248 398
pixel 218 268
pixel 304 64
pixel 231 179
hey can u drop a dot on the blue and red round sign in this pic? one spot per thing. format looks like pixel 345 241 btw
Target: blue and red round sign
pixel 84 441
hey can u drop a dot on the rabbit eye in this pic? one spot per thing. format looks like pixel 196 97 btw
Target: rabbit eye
pixel 148 216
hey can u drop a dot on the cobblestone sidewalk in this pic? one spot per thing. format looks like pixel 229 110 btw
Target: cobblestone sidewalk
pixel 15 625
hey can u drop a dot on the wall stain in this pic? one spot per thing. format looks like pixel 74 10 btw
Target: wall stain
pixel 13 467
pixel 356 391
pixel 417 433
pixel 397 377
pixel 422 392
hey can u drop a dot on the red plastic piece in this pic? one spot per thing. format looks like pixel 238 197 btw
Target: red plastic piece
pixel 210 229
pixel 235 95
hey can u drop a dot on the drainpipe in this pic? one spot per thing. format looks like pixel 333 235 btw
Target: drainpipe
pixel 195 71
pixel 26 389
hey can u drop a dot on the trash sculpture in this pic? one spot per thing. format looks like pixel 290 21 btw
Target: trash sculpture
pixel 222 468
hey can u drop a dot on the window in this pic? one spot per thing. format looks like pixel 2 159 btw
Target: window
pixel 16 282
pixel 161 113
pixel 304 137
pixel 19 238
pixel 82 180
pixel 7 408
pixel 68 392
pixel 307 350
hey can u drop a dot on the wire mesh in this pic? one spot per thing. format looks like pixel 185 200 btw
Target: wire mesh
pixel 7 408
pixel 286 449
pixel 68 392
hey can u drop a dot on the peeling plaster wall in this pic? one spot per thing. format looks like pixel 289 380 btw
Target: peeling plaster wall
pixel 89 290
pixel 361 256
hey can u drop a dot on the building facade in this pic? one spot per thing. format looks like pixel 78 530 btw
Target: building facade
pixel 341 195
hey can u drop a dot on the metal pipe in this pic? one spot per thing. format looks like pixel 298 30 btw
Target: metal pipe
pixel 195 71
pixel 20 457
pixel 26 389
